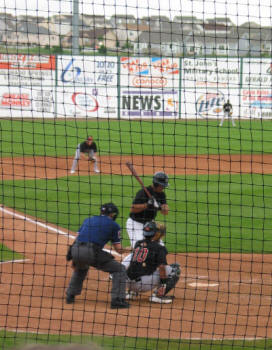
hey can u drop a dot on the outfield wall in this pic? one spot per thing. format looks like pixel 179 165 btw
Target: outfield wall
pixel 133 87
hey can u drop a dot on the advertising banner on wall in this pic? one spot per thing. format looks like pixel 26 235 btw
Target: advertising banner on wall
pixel 210 72
pixel 26 102
pixel 204 104
pixel 257 73
pixel 79 102
pixel 256 103
pixel 87 71
pixel 27 70
pixel 146 103
pixel 149 72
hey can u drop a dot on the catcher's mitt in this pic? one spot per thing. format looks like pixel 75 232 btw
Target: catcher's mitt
pixel 161 230
pixel 230 113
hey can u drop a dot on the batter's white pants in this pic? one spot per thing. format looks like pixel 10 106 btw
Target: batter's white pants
pixel 226 115
pixel 77 157
pixel 148 282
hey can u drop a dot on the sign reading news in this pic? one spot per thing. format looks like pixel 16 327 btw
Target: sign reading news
pixel 149 103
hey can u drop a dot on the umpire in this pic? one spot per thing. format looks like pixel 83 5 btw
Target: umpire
pixel 87 250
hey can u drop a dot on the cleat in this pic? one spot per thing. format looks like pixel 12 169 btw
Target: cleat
pixel 131 295
pixel 72 172
pixel 119 304
pixel 70 299
pixel 97 171
pixel 160 300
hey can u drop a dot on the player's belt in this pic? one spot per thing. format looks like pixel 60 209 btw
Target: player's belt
pixel 89 244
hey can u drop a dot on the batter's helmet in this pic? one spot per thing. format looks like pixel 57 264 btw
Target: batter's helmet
pixel 150 229
pixel 160 178
pixel 109 208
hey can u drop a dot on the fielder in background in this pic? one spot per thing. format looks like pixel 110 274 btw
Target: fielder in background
pixel 228 113
pixel 88 149
pixel 87 250
pixel 145 209
pixel 148 268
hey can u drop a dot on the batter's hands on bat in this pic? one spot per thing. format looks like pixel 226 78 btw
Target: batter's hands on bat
pixel 152 202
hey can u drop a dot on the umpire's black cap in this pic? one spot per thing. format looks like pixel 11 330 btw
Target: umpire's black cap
pixel 109 208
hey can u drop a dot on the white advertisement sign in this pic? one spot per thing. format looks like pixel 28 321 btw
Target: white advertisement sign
pixel 256 103
pixel 27 70
pixel 204 104
pixel 87 103
pixel 26 102
pixel 210 72
pixel 87 71
pixel 149 72
pixel 257 73
pixel 146 103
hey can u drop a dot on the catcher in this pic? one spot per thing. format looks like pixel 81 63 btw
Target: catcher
pixel 88 149
pixel 148 268
pixel 228 112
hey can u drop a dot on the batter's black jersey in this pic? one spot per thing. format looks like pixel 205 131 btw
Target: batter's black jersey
pixel 147 257
pixel 84 147
pixel 148 214
pixel 227 107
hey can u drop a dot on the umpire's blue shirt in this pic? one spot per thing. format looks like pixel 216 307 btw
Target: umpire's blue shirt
pixel 100 230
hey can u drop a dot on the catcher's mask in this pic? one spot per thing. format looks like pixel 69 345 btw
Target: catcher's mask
pixel 160 178
pixel 150 229
pixel 109 208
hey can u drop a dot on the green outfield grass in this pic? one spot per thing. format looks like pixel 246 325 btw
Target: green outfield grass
pixel 8 255
pixel 9 340
pixel 59 137
pixel 226 213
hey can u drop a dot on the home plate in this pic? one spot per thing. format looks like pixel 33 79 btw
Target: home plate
pixel 201 284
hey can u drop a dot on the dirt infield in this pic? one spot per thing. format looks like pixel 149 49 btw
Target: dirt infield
pixel 219 296
pixel 51 167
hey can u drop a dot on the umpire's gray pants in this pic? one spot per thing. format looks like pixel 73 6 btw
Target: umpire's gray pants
pixel 86 255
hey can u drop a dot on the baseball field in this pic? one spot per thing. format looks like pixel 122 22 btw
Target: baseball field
pixel 219 230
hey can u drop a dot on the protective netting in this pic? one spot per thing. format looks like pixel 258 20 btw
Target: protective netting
pixel 180 90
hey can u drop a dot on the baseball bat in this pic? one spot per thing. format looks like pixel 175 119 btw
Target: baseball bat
pixel 134 173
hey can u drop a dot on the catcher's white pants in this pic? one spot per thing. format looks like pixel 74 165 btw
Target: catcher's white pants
pixel 148 282
pixel 77 157
pixel 227 115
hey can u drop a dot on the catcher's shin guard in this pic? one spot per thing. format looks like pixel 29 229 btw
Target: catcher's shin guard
pixel 173 277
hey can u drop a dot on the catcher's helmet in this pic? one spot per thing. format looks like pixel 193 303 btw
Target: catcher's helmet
pixel 109 208
pixel 160 178
pixel 150 229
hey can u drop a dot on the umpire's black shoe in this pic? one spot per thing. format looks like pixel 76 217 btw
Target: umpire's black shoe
pixel 119 304
pixel 70 299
